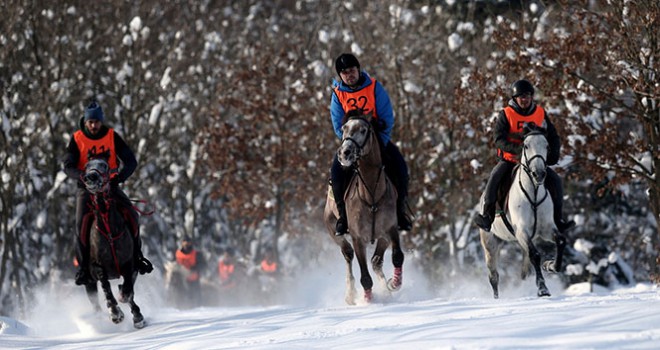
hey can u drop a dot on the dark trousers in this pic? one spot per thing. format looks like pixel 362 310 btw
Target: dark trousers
pixel 504 169
pixel 395 168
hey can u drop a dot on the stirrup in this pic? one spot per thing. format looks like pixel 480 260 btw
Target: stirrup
pixel 338 228
pixel 83 277
pixel 483 222
pixel 142 265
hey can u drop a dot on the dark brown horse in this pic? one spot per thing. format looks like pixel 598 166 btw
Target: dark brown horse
pixel 371 209
pixel 111 246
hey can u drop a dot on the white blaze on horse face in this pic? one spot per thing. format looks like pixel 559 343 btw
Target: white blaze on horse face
pixel 535 149
pixel 355 133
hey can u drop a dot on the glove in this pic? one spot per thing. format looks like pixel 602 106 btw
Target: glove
pixel 114 182
pixel 378 124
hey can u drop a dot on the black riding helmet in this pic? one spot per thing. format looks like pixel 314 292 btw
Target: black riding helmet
pixel 346 60
pixel 520 87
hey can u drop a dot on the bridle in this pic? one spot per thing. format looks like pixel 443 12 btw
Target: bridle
pixel 96 179
pixel 359 146
pixel 373 204
pixel 535 202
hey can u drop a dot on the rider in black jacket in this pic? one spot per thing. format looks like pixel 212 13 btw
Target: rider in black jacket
pixel 93 140
pixel 508 140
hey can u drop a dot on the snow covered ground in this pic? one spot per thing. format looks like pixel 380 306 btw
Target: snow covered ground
pixel 314 316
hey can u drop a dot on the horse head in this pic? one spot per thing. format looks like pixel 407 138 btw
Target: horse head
pixel 97 175
pixel 356 131
pixel 534 153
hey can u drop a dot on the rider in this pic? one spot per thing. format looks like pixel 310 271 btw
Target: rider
pixel 193 261
pixel 357 90
pixel 508 139
pixel 93 140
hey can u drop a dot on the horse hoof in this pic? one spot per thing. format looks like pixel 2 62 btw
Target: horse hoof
pixel 393 284
pixel 139 322
pixel 543 293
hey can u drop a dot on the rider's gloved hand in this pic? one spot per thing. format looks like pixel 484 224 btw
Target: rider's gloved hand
pixel 114 182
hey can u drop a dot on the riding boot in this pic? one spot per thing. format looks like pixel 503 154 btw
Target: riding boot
pixel 131 216
pixel 342 223
pixel 338 179
pixel 485 220
pixel 142 265
pixel 403 221
pixel 83 276
pixel 554 186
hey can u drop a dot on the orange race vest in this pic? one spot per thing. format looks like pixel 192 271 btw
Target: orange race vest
pixel 268 267
pixel 225 271
pixel 364 99
pixel 516 122
pixel 188 261
pixel 104 147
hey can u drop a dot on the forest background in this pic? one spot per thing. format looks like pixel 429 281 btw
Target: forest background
pixel 226 105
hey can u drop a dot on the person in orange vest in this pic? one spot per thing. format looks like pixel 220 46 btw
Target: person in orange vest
pixel 268 264
pixel 193 261
pixel 94 139
pixel 356 90
pixel 508 140
pixel 227 269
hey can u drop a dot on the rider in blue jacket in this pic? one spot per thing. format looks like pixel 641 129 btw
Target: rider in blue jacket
pixel 356 90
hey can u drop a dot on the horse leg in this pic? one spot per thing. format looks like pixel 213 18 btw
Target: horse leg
pixel 126 290
pixel 348 253
pixel 365 278
pixel 560 244
pixel 491 246
pixel 116 315
pixel 93 295
pixel 535 258
pixel 397 260
pixel 377 260
pixel 138 319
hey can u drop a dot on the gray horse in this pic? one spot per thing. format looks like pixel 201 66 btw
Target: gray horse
pixel 529 216
pixel 371 209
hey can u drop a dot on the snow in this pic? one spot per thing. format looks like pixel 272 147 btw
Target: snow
pixel 460 315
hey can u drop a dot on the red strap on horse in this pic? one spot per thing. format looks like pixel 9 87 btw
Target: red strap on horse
pixel 142 212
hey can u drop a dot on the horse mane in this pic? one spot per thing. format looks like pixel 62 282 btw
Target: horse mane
pixel 532 129
pixel 356 114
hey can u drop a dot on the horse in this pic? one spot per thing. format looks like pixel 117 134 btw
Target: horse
pixel 370 200
pixel 528 216
pixel 111 246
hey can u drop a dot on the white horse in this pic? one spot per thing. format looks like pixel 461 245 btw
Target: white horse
pixel 529 215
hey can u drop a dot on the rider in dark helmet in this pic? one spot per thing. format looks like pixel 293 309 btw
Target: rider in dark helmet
pixel 356 90
pixel 508 140
pixel 94 139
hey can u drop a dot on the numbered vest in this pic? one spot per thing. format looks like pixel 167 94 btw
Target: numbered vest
pixel 103 147
pixel 516 122
pixel 364 99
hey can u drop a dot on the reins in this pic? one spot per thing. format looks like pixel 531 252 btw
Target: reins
pixel 535 202
pixel 104 217
pixel 372 193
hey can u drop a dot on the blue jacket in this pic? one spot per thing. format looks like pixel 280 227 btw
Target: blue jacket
pixel 383 107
